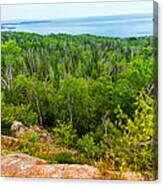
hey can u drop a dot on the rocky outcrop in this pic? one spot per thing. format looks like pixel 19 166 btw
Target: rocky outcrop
pixel 22 165
pixel 19 130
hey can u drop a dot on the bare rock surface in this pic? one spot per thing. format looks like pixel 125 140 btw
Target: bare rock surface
pixel 22 165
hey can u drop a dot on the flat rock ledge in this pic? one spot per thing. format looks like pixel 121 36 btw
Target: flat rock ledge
pixel 22 165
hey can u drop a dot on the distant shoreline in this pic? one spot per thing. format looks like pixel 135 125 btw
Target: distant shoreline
pixel 76 18
pixel 131 25
pixel 77 35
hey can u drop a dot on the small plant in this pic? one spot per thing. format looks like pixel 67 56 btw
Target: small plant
pixel 90 150
pixel 32 136
pixel 21 113
pixel 64 134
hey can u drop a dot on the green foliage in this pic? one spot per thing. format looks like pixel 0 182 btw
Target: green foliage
pixel 21 113
pixel 29 144
pixel 64 157
pixel 85 89
pixel 32 136
pixel 87 146
pixel 64 134
pixel 136 145
pixel 73 102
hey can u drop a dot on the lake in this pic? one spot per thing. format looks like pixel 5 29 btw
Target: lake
pixel 133 25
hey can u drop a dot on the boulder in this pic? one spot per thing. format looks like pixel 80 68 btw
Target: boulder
pixel 17 128
pixel 22 165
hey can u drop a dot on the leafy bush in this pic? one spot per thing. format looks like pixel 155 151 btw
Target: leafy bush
pixel 64 134
pixel 136 145
pixel 21 113
pixel 87 146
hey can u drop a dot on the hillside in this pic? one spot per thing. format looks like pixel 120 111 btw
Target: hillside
pixel 94 98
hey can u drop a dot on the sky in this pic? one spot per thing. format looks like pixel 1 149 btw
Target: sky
pixel 75 10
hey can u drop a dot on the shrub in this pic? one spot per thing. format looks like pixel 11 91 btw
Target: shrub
pixel 21 113
pixel 31 136
pixel 136 145
pixel 64 134
pixel 87 147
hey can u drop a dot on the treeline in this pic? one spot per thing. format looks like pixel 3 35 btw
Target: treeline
pixel 102 89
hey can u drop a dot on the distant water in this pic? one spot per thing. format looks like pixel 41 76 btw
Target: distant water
pixel 134 25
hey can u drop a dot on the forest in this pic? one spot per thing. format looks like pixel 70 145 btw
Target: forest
pixel 95 95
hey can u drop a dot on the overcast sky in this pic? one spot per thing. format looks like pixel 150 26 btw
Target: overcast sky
pixel 66 10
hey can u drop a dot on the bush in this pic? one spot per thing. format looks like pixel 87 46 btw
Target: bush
pixel 21 113
pixel 136 145
pixel 64 134
pixel 87 147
